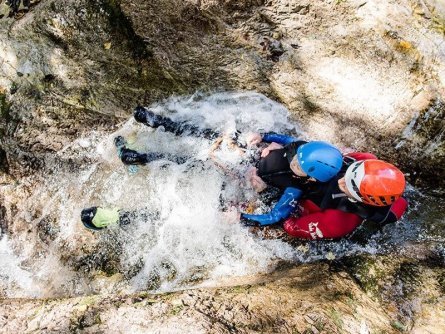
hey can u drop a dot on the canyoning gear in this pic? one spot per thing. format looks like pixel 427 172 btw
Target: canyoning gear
pixel 87 216
pixel 105 217
pixel 149 118
pixel 97 218
pixel 119 142
pixel 282 209
pixel 275 169
pixel 326 212
pixel 319 160
pixel 314 223
pixel 375 182
pixel 329 224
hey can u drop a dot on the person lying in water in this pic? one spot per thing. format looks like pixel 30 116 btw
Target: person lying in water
pixel 326 211
pixel 365 190
pixel 295 167
pixel 303 170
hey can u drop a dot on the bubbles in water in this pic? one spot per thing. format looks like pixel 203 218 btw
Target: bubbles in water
pixel 14 281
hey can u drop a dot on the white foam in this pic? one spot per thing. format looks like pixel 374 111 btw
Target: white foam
pixel 184 239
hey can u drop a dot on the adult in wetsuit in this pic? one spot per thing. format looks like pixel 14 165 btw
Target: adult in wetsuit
pixel 367 189
pixel 294 166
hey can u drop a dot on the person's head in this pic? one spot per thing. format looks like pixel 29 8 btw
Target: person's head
pixel 373 182
pixel 318 160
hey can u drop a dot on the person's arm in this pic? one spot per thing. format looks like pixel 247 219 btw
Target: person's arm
pixel 284 207
pixel 327 224
pixel 270 137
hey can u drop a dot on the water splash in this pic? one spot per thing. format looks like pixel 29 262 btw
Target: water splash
pixel 14 280
pixel 179 236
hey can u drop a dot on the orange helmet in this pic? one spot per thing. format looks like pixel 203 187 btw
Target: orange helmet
pixel 374 182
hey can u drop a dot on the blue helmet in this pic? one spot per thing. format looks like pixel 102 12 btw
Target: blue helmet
pixel 319 160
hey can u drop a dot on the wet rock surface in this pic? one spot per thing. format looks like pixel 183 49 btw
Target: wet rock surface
pixel 319 298
pixel 370 72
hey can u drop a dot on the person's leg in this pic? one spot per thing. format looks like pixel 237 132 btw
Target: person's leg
pixel 149 118
pixel 132 157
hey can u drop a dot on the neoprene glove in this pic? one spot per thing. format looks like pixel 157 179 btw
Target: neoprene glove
pixel 283 209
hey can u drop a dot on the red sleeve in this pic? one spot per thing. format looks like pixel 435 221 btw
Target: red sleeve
pixel 399 207
pixel 328 224
pixel 361 156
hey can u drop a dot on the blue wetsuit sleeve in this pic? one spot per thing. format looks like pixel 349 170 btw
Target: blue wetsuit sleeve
pixel 284 207
pixel 270 137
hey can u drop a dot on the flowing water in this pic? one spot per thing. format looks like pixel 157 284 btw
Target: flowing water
pixel 179 237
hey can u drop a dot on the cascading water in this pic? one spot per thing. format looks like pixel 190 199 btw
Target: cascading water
pixel 179 236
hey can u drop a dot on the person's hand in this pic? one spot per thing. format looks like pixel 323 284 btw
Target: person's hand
pixel 254 180
pixel 253 139
pixel 258 184
pixel 271 147
pixel 232 215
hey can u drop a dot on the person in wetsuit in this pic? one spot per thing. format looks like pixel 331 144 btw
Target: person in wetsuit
pixel 294 166
pixel 365 190
pixel 326 209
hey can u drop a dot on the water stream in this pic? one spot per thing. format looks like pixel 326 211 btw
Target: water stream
pixel 180 237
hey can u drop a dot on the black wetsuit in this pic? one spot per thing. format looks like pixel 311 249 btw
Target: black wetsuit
pixel 147 117
pixel 132 157
pixel 275 169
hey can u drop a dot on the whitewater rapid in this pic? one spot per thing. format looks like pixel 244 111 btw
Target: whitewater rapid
pixel 181 237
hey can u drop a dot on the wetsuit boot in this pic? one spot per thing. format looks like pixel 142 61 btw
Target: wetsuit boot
pixel 149 118
pixel 97 218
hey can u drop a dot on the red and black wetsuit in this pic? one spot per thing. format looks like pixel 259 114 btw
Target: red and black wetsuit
pixel 326 213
